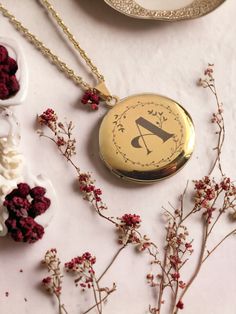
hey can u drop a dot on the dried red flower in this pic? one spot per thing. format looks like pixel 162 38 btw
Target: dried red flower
pixel 23 189
pixel 175 276
pixel 17 235
pixel 4 77
pixel 180 305
pixel 4 68
pixel 188 245
pixel 39 206
pixel 13 85
pixel 182 284
pixel 47 280
pixel 11 224
pixel 12 66
pixel 80 260
pixel 90 192
pixel 47 116
pixel 37 191
pixel 60 141
pixel 91 98
pixel 53 283
pixel 209 71
pixel 30 229
pixel 175 261
pixel 9 84
pixel 23 205
pixel 225 184
pixel 17 206
pixel 94 107
pixel 4 92
pixel 131 220
pixel 3 54
pixel 83 267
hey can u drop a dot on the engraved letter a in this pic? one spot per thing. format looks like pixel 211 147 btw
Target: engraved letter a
pixel 153 129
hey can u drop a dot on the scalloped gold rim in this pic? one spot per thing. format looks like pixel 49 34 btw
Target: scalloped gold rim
pixel 197 9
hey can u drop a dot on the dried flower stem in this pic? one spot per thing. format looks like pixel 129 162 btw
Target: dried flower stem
pixel 61 307
pixel 98 303
pixel 218 118
pixel 62 152
pixel 102 300
pixel 196 272
pixel 166 280
pixel 112 261
pixel 164 275
pixel 219 244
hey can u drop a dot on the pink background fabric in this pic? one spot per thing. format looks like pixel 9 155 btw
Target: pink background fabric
pixel 135 56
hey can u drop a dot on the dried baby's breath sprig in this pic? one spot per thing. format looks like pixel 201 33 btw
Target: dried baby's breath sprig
pixel 127 226
pixel 208 82
pixel 90 192
pixel 53 282
pixel 177 250
pixel 62 136
pixel 83 268
pixel 214 200
pixel 62 133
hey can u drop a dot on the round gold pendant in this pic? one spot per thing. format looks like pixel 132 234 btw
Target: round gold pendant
pixel 146 138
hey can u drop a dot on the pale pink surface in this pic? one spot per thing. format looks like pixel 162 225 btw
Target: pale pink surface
pixel 135 56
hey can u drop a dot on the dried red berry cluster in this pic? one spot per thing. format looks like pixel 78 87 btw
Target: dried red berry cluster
pixel 9 85
pixel 131 220
pixel 180 305
pixel 23 205
pixel 208 190
pixel 128 232
pixel 88 188
pixel 79 260
pixel 48 116
pixel 83 267
pixel 91 98
pixel 47 281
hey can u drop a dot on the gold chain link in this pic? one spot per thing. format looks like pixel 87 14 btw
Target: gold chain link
pixel 48 53
pixel 72 39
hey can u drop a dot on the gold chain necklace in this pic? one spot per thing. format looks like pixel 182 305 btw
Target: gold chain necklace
pixel 48 53
pixel 143 138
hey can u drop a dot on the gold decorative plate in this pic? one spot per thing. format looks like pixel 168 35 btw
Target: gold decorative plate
pixel 146 138
pixel 166 10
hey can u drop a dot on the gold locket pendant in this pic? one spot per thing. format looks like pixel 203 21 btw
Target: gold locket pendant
pixel 146 138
